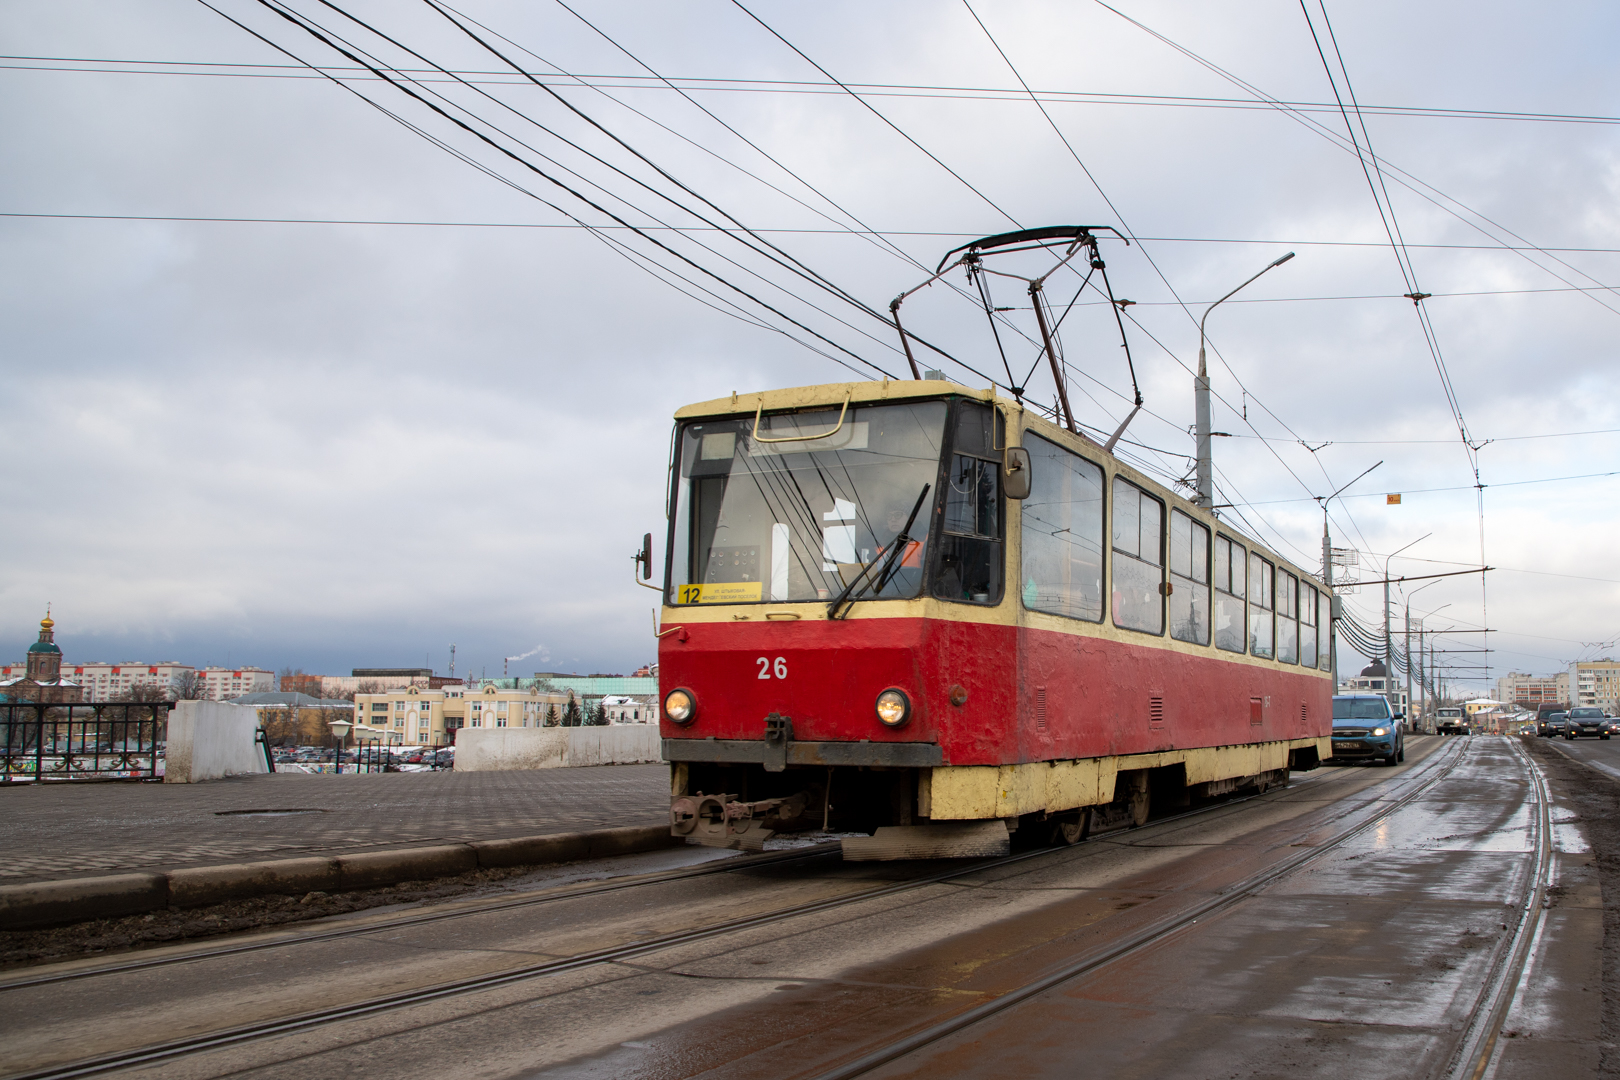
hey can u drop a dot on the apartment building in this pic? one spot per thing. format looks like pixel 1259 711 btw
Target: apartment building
pixel 417 716
pixel 1532 691
pixel 1595 683
pixel 102 681
pixel 222 684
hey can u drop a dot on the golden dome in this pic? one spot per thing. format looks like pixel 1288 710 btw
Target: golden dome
pixel 46 623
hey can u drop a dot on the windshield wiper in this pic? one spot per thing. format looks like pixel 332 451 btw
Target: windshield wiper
pixel 897 546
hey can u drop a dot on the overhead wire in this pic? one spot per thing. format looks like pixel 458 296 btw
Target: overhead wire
pixel 1421 188
pixel 789 86
pixel 873 110
pixel 1128 232
pixel 1386 213
pixel 522 162
pixel 792 265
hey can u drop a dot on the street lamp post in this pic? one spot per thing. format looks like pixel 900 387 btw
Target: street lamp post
pixel 1389 642
pixel 1411 722
pixel 340 728
pixel 1327 575
pixel 1206 468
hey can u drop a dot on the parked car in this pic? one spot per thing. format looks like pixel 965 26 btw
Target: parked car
pixel 1365 728
pixel 1586 721
pixel 1552 724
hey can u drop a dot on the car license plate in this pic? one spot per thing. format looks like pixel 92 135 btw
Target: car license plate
pixel 1348 744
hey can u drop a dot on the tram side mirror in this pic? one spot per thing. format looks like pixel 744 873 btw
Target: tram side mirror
pixel 644 557
pixel 1015 472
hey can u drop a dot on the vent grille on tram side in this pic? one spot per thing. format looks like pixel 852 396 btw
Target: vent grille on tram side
pixel 1156 711
pixel 1040 708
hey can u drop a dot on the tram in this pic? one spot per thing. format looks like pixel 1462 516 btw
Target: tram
pixel 927 615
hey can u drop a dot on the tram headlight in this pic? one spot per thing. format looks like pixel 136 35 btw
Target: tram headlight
pixel 680 706
pixel 893 708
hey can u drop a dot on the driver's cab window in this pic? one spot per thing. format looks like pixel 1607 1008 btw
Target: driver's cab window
pixel 970 559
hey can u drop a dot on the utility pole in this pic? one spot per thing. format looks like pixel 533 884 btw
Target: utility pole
pixel 1327 557
pixel 1389 643
pixel 1206 467
pixel 1410 722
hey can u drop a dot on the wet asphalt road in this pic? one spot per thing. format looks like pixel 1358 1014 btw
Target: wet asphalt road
pixel 1600 754
pixel 1364 963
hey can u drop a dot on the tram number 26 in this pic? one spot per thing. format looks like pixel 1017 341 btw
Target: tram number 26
pixel 767 668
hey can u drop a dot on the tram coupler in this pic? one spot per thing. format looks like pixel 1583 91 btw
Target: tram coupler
pixel 778 733
pixel 722 821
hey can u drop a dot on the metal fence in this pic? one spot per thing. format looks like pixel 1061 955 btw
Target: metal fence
pixel 119 740
pixel 366 756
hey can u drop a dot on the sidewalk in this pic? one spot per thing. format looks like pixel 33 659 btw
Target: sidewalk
pixel 75 830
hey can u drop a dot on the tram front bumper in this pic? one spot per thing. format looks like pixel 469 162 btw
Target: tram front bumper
pixel 911 755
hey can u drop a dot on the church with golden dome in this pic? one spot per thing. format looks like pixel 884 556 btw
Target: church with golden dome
pixel 43 681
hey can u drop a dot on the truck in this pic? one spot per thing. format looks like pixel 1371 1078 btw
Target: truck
pixel 1450 720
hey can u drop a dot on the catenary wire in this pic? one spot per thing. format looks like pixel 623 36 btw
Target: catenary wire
pixel 550 179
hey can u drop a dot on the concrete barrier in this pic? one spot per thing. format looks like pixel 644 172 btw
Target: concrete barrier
pixel 209 740
pixel 369 869
pixel 57 903
pixel 53 903
pixel 510 749
pixel 200 886
pixel 628 744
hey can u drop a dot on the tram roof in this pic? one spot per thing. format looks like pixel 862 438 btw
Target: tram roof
pixel 831 394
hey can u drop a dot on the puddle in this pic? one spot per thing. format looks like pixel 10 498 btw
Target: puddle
pixel 269 813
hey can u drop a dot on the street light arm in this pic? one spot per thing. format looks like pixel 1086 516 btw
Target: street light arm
pixel 1269 266
pixel 1402 548
pixel 1336 494
pixel 1205 464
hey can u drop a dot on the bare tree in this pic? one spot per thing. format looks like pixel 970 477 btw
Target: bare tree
pixel 143 692
pixel 188 686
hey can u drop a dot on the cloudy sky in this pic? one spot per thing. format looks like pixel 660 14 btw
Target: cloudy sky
pixel 300 372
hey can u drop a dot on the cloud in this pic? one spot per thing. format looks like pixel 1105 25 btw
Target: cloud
pixel 337 445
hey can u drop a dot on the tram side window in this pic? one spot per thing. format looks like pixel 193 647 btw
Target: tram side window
pixel 1230 563
pixel 1138 559
pixel 1063 533
pixel 969 565
pixel 1307 625
pixel 1287 617
pixel 1260 580
pixel 1189 579
pixel 1324 622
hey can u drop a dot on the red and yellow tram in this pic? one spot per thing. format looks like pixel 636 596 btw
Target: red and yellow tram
pixel 921 608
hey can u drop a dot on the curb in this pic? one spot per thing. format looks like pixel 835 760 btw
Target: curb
pixel 41 904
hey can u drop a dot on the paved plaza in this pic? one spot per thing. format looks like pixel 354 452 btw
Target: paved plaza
pixel 79 829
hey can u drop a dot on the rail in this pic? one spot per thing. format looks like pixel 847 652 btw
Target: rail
pixel 176 1049
pixel 44 742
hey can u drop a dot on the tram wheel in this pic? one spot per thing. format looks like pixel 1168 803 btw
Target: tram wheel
pixel 1066 833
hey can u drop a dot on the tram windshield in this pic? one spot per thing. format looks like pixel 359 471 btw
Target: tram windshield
pixel 798 510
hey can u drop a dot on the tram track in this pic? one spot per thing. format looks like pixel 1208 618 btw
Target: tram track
pixel 173 1050
pixel 1474 1054
pixel 1476 1051
pixel 469 910
pixel 1134 943
pixel 549 896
